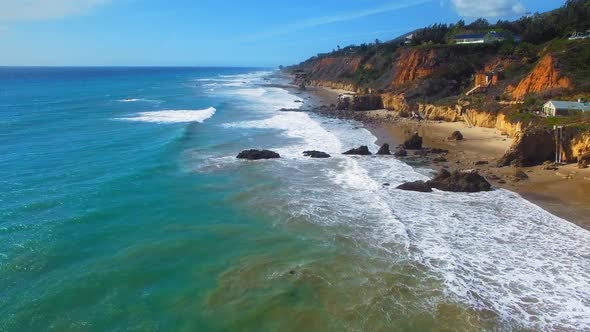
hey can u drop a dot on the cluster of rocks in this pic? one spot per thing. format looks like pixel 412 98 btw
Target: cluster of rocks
pixel 457 181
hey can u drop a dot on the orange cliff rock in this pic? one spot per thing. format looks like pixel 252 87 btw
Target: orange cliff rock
pixel 413 65
pixel 544 77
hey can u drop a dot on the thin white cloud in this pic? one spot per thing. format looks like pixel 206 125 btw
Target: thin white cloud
pixel 489 8
pixel 27 10
pixel 340 17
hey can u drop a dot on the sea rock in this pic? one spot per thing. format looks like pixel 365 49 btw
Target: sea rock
pixel 419 186
pixel 401 152
pixel 549 166
pixel 438 151
pixel 413 143
pixel 316 154
pixel 456 136
pixel 384 151
pixel 481 162
pixel 520 175
pixel 258 155
pixel 360 151
pixel 466 181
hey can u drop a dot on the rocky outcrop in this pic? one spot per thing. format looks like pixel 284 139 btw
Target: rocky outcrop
pixel 360 151
pixel 337 85
pixel 413 143
pixel 546 76
pixel 456 136
pixel 384 150
pixel 401 152
pixel 419 186
pixel 440 113
pixel 360 103
pixel 413 65
pixel 396 102
pixel 530 148
pixel 467 181
pixel 576 144
pixel 258 155
pixel 316 154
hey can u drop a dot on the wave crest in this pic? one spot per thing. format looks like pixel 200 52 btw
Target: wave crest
pixel 174 116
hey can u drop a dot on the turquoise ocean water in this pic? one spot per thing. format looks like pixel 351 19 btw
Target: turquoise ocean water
pixel 123 208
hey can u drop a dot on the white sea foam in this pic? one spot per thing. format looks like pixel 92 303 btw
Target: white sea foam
pixel 133 100
pixel 173 116
pixel 308 134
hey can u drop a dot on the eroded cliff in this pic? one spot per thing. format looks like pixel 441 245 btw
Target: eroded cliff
pixel 545 77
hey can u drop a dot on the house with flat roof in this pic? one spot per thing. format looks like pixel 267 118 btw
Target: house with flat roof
pixel 557 108
pixel 481 38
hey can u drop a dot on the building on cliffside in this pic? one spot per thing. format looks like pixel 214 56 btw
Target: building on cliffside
pixel 557 108
pixel 483 38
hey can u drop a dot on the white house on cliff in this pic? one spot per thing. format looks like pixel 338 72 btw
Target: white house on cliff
pixel 555 107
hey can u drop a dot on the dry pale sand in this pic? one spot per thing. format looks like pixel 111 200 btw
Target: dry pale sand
pixel 567 198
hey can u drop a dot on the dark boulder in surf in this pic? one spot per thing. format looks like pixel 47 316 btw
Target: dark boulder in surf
pixel 413 143
pixel 384 150
pixel 361 151
pixel 419 186
pixel 316 154
pixel 460 181
pixel 258 155
pixel 401 153
pixel 466 181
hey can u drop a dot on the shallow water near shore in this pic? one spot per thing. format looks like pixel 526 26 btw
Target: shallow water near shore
pixel 123 208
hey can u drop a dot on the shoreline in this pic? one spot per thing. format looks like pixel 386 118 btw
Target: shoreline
pixel 568 199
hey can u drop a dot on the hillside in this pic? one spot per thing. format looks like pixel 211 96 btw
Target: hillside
pixel 536 62
pixel 499 84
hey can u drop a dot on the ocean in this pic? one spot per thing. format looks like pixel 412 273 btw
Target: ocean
pixel 123 208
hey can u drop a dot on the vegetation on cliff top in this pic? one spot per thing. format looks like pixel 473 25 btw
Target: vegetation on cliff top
pixel 432 68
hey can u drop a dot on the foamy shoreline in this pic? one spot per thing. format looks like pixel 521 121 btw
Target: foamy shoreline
pixel 543 188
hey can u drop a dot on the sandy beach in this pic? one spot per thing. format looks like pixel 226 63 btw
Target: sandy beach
pixel 564 192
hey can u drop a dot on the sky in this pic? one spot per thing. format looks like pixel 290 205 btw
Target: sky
pixel 258 33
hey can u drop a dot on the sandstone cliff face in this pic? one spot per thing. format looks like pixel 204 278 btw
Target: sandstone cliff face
pixel 530 148
pixel 397 103
pixel 577 144
pixel 544 77
pixel 413 65
pixel 440 113
pixel 335 85
pixel 499 121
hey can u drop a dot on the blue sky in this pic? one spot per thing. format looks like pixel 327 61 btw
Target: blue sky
pixel 218 32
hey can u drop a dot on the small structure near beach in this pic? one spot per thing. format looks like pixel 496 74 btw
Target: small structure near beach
pixel 482 38
pixel 564 108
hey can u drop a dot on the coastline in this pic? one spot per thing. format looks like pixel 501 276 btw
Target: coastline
pixel 568 199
